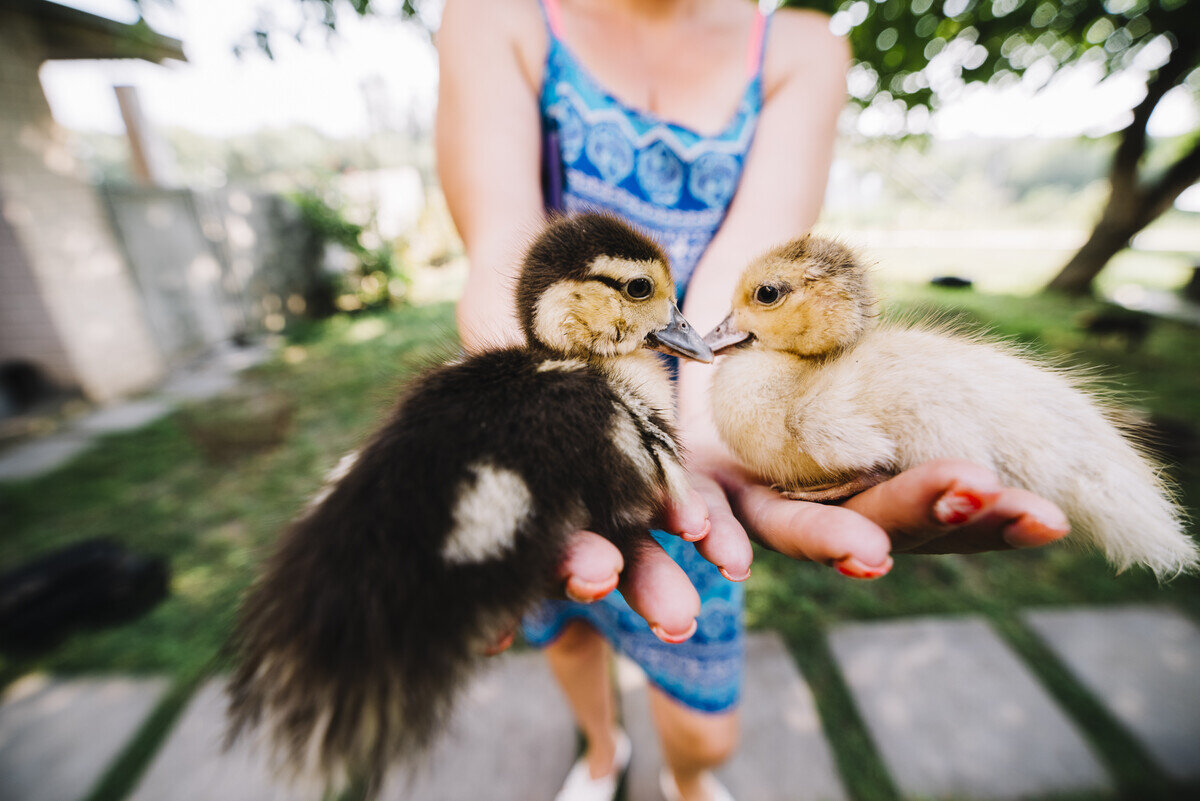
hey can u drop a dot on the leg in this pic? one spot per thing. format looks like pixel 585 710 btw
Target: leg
pixel 580 661
pixel 692 742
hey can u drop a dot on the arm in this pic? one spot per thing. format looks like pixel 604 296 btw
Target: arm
pixel 489 162
pixel 488 148
pixel 941 506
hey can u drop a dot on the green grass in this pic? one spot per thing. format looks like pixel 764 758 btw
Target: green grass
pixel 152 490
pixel 1020 272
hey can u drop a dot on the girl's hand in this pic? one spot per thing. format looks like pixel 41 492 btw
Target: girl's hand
pixel 655 587
pixel 943 506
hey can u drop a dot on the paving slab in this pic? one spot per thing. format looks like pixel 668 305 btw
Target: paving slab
pixel 32 459
pixel 215 374
pixel 200 384
pixel 1143 664
pixel 57 738
pixel 783 755
pixel 955 714
pixel 513 739
pixel 192 765
pixel 124 416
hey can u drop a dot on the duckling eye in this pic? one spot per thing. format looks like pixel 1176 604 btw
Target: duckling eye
pixel 766 294
pixel 639 288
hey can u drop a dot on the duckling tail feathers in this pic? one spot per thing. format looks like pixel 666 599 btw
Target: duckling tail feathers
pixel 1126 510
pixel 358 636
pixel 340 687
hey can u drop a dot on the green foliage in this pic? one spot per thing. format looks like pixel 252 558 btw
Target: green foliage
pixel 915 53
pixel 323 15
pixel 377 278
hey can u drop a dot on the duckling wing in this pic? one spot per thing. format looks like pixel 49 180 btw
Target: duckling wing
pixel 840 439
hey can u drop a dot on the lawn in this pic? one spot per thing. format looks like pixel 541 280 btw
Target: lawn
pixel 153 490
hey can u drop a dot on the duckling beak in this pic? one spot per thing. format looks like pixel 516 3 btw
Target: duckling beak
pixel 678 338
pixel 726 336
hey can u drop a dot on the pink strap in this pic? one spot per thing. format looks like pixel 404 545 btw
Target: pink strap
pixel 553 17
pixel 755 49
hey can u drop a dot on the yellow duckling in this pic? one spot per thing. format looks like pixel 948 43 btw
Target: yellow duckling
pixel 450 522
pixel 817 398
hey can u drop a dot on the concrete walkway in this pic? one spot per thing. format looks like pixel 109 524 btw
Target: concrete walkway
pixel 58 737
pixel 955 714
pixel 952 711
pixel 214 375
pixel 783 755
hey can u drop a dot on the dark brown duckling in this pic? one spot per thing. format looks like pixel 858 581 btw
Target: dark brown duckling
pixel 450 522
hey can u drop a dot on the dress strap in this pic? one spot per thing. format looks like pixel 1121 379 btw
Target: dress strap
pixel 755 47
pixel 553 14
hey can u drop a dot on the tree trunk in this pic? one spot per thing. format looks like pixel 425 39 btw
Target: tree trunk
pixel 1077 275
pixel 1128 211
pixel 1132 205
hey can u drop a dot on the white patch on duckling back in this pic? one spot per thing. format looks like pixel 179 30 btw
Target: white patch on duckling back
pixel 562 365
pixel 490 508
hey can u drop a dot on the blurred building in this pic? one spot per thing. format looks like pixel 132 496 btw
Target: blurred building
pixel 68 305
pixel 106 290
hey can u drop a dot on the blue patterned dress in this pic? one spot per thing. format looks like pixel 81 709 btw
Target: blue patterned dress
pixel 675 185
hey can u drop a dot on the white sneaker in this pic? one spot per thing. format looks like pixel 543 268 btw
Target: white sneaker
pixel 580 786
pixel 713 788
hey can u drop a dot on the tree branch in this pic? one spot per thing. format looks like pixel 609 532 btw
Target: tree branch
pixel 1178 177
pixel 1132 147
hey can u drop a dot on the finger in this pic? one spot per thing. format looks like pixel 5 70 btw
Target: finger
pixel 831 535
pixel 929 500
pixel 687 517
pixel 1014 518
pixel 658 590
pixel 591 567
pixel 1027 520
pixel 727 545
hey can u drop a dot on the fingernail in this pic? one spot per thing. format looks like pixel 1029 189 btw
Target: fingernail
pixel 673 639
pixel 854 568
pixel 1029 532
pixel 956 507
pixel 585 592
pixel 697 537
pixel 725 573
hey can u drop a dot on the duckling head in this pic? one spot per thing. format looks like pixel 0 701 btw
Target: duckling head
pixel 810 297
pixel 591 286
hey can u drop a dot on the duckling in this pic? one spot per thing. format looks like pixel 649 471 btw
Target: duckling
pixel 381 597
pixel 817 398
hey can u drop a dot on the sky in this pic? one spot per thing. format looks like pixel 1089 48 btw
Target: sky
pixel 321 85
